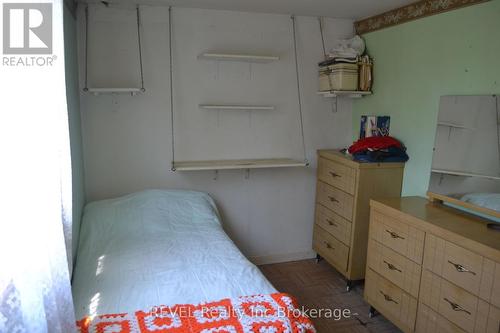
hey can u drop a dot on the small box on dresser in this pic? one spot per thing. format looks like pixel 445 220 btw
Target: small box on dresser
pixel 344 188
pixel 443 266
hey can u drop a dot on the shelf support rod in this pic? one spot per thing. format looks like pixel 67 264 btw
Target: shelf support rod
pixel 86 88
pixel 299 98
pixel 138 11
pixel 172 138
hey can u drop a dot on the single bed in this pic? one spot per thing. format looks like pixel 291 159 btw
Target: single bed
pixel 157 247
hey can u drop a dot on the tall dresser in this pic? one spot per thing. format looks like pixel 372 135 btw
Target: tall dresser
pixel 432 268
pixel 344 188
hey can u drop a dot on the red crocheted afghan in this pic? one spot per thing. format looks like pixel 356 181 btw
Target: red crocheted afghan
pixel 246 314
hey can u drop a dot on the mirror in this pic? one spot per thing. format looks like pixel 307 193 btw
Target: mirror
pixel 466 160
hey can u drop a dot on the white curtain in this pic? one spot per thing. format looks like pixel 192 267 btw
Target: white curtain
pixel 35 193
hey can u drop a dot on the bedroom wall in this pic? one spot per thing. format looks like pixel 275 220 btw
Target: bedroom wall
pixel 127 140
pixel 73 101
pixel 453 53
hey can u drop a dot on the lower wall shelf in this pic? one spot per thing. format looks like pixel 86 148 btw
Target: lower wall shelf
pixel 346 93
pixel 237 164
pixel 99 91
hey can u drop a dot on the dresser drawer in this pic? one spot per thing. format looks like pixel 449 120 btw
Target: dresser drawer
pixel 336 225
pixel 448 300
pixel 487 319
pixel 391 301
pixel 330 248
pixel 429 321
pixel 335 199
pixel 490 282
pixel 398 269
pixel 337 174
pixel 397 235
pixel 454 263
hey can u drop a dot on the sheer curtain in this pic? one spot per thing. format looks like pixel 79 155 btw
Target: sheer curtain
pixel 35 193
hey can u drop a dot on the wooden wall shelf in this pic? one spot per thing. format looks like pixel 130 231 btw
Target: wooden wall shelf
pixel 344 93
pixel 236 107
pixel 238 57
pixel 100 91
pixel 452 125
pixel 237 164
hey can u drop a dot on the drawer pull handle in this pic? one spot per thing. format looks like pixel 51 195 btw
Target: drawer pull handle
pixel 393 234
pixel 392 267
pixel 335 175
pixel 461 268
pixel 332 199
pixel 328 246
pixel 330 222
pixel 387 297
pixel 456 307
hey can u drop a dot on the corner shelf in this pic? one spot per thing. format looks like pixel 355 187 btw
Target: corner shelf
pixel 449 124
pixel 99 91
pixel 236 107
pixel 238 57
pixel 346 93
pixel 237 164
pixel 464 174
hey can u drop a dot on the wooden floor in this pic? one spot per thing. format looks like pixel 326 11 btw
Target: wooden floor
pixel 319 286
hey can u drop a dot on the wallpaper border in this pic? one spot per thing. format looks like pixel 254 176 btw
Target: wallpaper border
pixel 414 11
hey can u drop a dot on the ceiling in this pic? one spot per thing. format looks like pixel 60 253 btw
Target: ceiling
pixel 352 9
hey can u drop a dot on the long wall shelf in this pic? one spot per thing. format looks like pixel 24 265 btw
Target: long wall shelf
pixel 238 164
pixel 99 91
pixel 449 124
pixel 236 107
pixel 238 57
pixel 464 174
pixel 346 93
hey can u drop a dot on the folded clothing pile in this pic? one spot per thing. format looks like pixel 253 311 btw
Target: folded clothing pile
pixel 379 149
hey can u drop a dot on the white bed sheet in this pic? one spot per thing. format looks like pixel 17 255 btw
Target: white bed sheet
pixel 157 247
pixel 486 200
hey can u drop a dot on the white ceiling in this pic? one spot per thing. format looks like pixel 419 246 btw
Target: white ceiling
pixel 353 9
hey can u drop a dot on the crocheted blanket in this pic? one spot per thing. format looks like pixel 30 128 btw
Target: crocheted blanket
pixel 277 313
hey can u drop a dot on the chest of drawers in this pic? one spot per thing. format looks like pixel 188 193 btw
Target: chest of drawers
pixel 432 268
pixel 344 188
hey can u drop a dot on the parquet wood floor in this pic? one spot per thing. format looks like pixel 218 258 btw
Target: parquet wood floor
pixel 319 286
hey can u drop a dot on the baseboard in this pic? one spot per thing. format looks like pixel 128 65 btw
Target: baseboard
pixel 284 257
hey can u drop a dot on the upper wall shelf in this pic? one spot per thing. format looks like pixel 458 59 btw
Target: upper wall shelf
pixel 464 174
pixel 448 124
pixel 346 93
pixel 238 164
pixel 99 91
pixel 238 57
pixel 236 107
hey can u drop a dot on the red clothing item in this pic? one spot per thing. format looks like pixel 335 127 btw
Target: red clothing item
pixel 374 143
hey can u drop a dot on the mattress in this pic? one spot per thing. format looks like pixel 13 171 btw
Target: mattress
pixel 157 247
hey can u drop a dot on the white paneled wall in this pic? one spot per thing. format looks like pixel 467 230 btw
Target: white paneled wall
pixel 127 140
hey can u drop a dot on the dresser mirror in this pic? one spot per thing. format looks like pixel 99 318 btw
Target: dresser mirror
pixel 466 160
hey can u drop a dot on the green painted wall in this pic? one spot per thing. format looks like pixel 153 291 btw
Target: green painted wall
pixel 75 132
pixel 454 53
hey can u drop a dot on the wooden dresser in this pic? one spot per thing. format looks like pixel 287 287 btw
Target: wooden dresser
pixel 432 268
pixel 343 191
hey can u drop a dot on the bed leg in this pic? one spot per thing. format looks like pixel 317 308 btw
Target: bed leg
pixel 318 258
pixel 372 312
pixel 348 285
